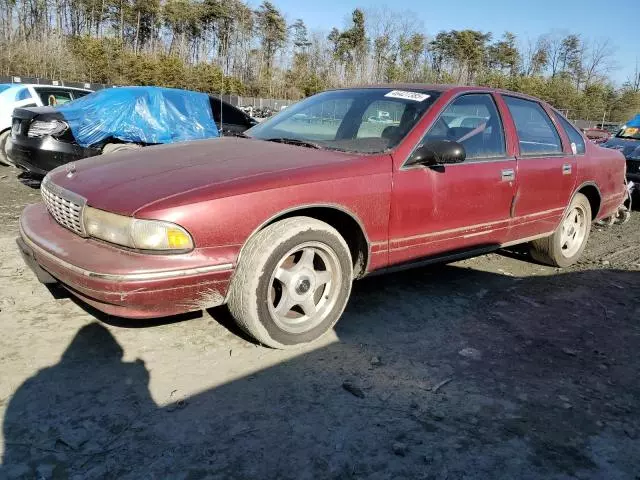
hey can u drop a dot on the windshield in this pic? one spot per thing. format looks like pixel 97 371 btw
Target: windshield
pixel 629 132
pixel 370 120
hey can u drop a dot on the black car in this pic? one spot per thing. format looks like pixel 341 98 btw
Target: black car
pixel 43 138
pixel 629 146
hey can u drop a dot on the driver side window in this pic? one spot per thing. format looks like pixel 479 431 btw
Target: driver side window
pixel 473 121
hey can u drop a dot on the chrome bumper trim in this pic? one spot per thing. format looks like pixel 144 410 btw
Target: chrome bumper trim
pixel 132 277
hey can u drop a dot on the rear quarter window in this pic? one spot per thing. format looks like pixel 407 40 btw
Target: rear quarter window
pixel 227 114
pixel 79 94
pixel 573 134
pixel 23 94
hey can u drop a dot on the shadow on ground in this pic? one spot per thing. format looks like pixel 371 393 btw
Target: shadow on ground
pixel 464 374
pixel 29 179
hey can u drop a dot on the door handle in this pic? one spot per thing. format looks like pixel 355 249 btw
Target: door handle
pixel 566 169
pixel 508 175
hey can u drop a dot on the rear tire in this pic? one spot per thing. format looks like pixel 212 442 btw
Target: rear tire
pixel 119 147
pixel 292 282
pixel 564 247
pixel 4 160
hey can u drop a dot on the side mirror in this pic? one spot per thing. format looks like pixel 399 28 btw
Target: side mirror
pixel 438 152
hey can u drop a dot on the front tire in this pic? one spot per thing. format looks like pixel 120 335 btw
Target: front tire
pixel 4 159
pixel 292 282
pixel 565 246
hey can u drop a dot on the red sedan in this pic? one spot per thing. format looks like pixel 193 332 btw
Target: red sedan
pixel 278 224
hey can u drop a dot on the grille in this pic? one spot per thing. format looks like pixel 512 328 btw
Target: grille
pixel 64 206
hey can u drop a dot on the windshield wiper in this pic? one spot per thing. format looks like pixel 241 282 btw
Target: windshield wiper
pixel 294 141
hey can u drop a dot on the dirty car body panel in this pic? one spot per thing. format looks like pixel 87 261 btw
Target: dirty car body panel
pixel 222 192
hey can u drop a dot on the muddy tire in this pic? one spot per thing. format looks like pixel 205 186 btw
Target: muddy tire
pixel 4 136
pixel 564 247
pixel 119 147
pixel 292 282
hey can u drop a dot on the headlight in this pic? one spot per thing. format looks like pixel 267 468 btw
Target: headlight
pixel 136 233
pixel 41 128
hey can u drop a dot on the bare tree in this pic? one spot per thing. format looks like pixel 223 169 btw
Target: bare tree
pixel 598 60
pixel 633 82
pixel 535 56
pixel 555 52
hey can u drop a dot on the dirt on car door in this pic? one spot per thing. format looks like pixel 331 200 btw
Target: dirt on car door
pixel 546 171
pixel 451 207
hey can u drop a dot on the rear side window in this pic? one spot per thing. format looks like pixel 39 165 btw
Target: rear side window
pixel 536 132
pixel 23 94
pixel 225 113
pixel 574 136
pixel 53 97
pixel 79 93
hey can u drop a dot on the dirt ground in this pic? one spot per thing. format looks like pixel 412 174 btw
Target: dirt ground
pixel 494 367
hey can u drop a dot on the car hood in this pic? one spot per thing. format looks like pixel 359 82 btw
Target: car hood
pixel 126 182
pixel 625 145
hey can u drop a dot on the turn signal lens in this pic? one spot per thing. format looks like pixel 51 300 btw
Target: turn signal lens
pixel 178 239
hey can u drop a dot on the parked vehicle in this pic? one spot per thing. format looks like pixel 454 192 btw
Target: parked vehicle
pixel 380 116
pixel 277 225
pixel 118 119
pixel 610 127
pixel 627 141
pixel 16 95
pixel 453 121
pixel 597 135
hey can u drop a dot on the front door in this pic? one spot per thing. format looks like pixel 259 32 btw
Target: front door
pixel 455 207
pixel 547 171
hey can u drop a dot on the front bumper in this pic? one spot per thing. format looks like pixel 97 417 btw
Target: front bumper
pixel 40 155
pixel 116 281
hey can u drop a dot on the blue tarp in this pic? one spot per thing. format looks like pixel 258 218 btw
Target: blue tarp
pixel 140 115
pixel 634 122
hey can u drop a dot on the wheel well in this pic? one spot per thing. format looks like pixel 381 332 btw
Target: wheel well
pixel 346 225
pixel 593 195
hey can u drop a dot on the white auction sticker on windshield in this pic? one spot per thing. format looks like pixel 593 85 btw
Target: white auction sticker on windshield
pixel 415 96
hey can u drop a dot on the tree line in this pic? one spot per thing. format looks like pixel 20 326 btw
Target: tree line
pixel 227 46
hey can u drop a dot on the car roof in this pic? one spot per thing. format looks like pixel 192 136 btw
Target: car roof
pixel 443 88
pixel 36 85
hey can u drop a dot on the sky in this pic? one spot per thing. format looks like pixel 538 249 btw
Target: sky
pixel 592 19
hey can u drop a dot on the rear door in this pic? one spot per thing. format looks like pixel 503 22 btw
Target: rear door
pixel 547 170
pixel 454 207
